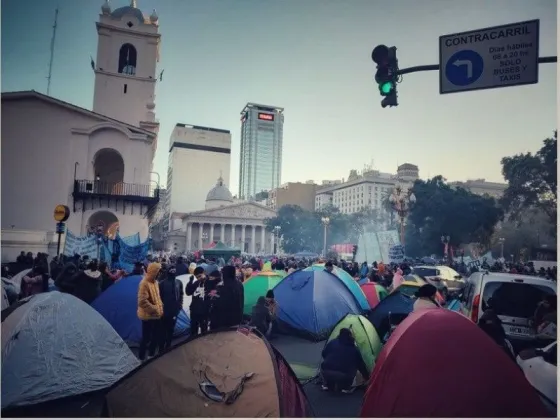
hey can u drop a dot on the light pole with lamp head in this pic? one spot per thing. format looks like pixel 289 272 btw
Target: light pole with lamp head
pixel 445 241
pixel 325 221
pixel 276 236
pixel 501 241
pixel 401 202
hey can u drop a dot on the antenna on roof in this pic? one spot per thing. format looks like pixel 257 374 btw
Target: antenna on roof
pixel 49 77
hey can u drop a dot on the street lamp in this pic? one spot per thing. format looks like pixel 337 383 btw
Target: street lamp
pixel 401 202
pixel 325 221
pixel 501 242
pixel 445 241
pixel 276 236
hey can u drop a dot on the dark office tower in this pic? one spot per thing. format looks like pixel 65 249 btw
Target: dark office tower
pixel 260 166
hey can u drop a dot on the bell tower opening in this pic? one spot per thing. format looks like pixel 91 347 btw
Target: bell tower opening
pixel 127 60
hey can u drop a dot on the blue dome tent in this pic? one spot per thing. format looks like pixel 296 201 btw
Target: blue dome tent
pixel 118 305
pixel 56 346
pixel 348 281
pixel 391 310
pixel 312 302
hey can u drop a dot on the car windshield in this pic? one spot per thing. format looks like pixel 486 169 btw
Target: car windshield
pixel 426 272
pixel 514 299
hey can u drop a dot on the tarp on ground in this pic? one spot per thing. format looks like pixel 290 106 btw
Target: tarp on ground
pixel 119 304
pixel 312 302
pixel 192 378
pixel 365 336
pixel 397 306
pixel 482 380
pixel 257 286
pixel 348 281
pixel 54 345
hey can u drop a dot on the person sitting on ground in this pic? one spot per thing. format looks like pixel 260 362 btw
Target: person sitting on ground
pixel 426 298
pixel 260 316
pixel 491 324
pixel 341 362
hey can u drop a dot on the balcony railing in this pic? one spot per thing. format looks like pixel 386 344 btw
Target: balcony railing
pixel 118 190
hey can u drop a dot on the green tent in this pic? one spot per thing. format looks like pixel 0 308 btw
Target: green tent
pixel 366 337
pixel 381 291
pixel 223 251
pixel 257 286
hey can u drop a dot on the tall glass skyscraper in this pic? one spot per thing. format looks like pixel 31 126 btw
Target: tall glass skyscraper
pixel 260 169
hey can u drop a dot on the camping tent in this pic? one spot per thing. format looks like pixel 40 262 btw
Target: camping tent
pixel 396 306
pixel 118 305
pixel 370 291
pixel 312 302
pixel 53 346
pixel 476 377
pixel 257 286
pixel 194 379
pixel 223 251
pixel 5 301
pixel 186 299
pixel 366 337
pixel 348 281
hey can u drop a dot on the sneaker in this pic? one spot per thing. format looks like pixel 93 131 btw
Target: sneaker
pixel 324 387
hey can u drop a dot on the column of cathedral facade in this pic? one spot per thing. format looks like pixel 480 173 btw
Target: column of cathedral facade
pixel 252 238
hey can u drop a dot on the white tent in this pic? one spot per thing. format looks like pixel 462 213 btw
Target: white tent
pixel 186 299
pixel 54 346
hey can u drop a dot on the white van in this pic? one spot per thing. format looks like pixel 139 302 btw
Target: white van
pixel 513 297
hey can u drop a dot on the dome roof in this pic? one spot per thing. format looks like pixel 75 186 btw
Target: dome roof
pixel 220 192
pixel 129 10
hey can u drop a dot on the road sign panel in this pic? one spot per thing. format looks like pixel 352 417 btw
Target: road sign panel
pixel 500 56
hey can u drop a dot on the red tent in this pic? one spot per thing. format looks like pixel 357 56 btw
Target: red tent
pixel 372 296
pixel 438 363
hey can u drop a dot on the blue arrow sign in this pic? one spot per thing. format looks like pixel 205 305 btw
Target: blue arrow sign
pixel 464 67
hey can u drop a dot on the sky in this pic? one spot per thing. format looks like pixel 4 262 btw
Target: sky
pixel 313 58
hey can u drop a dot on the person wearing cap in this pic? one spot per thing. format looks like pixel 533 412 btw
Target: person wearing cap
pixel 426 298
pixel 171 292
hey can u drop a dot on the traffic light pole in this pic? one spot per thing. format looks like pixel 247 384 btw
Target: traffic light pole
pixel 435 67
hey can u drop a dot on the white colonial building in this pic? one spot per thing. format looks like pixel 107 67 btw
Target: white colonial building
pixel 240 225
pixel 98 162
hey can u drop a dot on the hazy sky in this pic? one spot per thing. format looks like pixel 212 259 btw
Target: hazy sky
pixel 311 57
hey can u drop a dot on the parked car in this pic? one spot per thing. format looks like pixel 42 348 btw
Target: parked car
pixel 444 278
pixel 540 369
pixel 513 297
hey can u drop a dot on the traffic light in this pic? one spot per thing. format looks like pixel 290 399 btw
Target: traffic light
pixel 387 73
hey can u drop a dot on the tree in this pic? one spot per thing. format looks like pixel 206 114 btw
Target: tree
pixel 531 229
pixel 296 227
pixel 441 210
pixel 532 181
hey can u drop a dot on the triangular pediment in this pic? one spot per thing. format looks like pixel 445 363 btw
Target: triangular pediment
pixel 238 211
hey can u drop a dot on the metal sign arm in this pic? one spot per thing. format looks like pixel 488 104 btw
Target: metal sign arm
pixel 432 67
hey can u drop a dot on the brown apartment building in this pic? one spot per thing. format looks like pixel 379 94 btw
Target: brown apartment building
pixel 293 193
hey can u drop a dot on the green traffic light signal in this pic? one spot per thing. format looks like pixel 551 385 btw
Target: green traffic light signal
pixel 386 88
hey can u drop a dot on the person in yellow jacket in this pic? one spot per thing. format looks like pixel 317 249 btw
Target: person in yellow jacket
pixel 150 310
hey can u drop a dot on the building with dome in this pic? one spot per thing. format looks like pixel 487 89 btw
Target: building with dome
pixel 97 161
pixel 239 224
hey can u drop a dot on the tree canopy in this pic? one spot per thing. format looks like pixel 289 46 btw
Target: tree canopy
pixel 442 210
pixel 532 181
pixel 303 230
